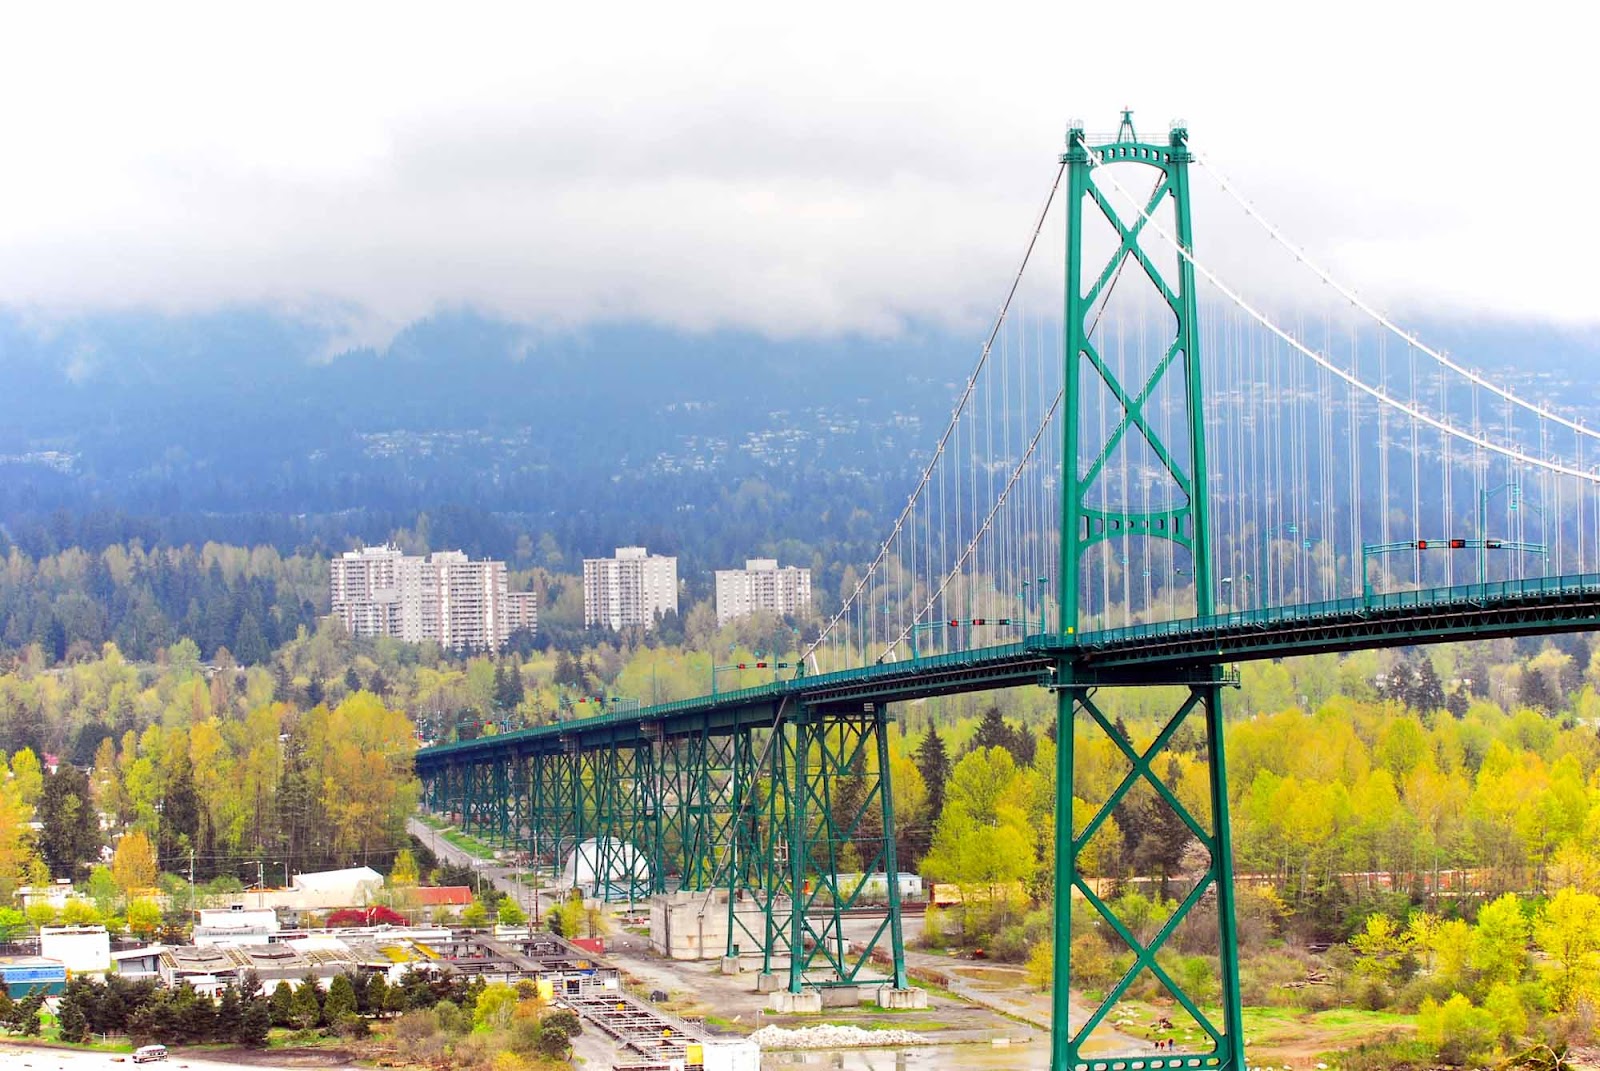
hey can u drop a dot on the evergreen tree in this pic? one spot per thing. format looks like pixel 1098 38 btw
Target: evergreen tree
pixel 230 1014
pixel 306 1009
pixel 281 1006
pixel 1457 702
pixel 1535 691
pixel 25 1013
pixel 377 995
pixel 1026 745
pixel 341 1000
pixel 74 1027
pixel 933 763
pixel 500 686
pixel 1426 692
pixel 71 833
pixel 993 732
pixel 254 1022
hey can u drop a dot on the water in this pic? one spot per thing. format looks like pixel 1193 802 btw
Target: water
pixel 1020 1057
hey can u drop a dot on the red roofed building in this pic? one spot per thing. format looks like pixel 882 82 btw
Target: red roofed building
pixel 440 895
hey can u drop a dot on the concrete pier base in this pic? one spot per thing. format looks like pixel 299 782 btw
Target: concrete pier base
pixel 840 996
pixel 767 982
pixel 808 1002
pixel 890 997
pixel 730 964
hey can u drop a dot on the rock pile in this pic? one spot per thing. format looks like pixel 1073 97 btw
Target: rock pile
pixel 834 1037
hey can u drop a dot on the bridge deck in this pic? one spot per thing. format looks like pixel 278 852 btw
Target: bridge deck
pixel 1159 652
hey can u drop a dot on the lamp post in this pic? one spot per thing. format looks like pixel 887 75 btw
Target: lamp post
pixel 1514 494
pixel 1038 584
pixel 1285 528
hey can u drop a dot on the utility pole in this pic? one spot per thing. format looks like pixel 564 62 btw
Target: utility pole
pixel 191 881
pixel 261 884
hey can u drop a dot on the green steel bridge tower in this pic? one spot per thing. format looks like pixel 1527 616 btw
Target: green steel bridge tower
pixel 1092 515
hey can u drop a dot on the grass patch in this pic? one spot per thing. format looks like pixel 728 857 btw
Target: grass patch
pixel 1335 1027
pixel 471 845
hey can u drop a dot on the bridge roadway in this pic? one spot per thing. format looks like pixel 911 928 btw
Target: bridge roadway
pixel 1140 653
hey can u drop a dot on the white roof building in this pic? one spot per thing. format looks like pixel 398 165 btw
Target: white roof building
pixel 352 887
pixel 237 925
pixel 81 949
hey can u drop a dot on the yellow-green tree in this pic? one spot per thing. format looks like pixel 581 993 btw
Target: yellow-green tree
pixel 133 865
pixel 1567 930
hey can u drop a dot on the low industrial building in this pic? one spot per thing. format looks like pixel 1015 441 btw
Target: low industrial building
pixel 236 925
pixel 22 975
pixel 81 949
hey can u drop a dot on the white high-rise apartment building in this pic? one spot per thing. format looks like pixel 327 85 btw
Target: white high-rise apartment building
pixel 629 589
pixel 448 598
pixel 761 585
pixel 365 586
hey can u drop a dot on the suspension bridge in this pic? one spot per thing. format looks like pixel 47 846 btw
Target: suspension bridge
pixel 1128 494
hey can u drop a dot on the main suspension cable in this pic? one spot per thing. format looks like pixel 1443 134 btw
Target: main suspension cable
pixel 1376 393
pixel 955 419
pixel 1355 299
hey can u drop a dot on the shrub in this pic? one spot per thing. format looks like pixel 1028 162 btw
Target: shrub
pixel 1456 1029
pixel 377 915
pixel 416 1025
pixel 1392 1052
pixel 351 1026
pixel 1010 945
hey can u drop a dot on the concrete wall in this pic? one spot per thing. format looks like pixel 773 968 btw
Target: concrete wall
pixel 694 925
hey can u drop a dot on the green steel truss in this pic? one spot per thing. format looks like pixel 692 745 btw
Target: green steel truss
pixel 777 811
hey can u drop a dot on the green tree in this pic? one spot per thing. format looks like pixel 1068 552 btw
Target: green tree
pixel 495 1007
pixel 377 995
pixel 134 863
pixel 71 833
pixel 144 918
pixel 510 914
pixel 341 1000
pixel 230 1015
pixel 41 913
pixel 255 1021
pixel 403 874
pixel 306 1009
pixel 74 1026
pixel 1041 965
pixel 1457 1030
pixel 475 915
pixel 281 1006
pixel 1568 931
pixel 1500 941
pixel 1380 947
pixel 103 890
pixel 79 913
pixel 933 761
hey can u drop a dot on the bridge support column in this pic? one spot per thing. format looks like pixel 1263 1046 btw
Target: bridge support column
pixel 1150 788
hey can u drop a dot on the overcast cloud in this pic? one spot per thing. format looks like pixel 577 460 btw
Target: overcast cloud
pixel 799 169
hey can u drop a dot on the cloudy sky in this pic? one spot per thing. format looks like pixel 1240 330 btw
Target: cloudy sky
pixel 793 168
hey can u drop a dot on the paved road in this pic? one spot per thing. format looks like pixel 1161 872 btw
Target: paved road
pixel 503 878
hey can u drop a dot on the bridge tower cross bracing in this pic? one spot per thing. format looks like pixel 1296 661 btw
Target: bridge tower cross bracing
pixel 1092 514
